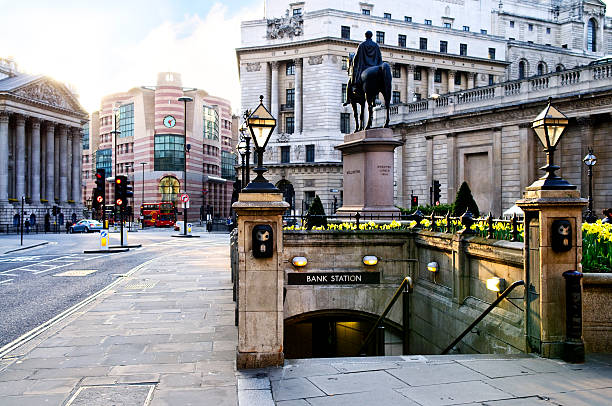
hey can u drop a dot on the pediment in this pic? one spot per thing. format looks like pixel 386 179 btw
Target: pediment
pixel 49 92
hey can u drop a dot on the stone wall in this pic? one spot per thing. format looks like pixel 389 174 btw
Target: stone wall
pixel 596 317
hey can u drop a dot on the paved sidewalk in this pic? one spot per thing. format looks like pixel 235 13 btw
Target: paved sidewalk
pixel 434 380
pixel 12 243
pixel 164 334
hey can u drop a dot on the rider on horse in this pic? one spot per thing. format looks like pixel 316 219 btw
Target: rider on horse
pixel 368 55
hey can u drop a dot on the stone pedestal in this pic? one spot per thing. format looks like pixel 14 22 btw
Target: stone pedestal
pixel 545 307
pixel 260 283
pixel 368 172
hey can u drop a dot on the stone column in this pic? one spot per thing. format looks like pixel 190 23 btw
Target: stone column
pixel 409 83
pixel 274 105
pixel 50 164
pixel 260 282
pixel 451 80
pixel 76 165
pixel 470 80
pixel 4 156
pixel 20 157
pixel 56 165
pixel 35 159
pixel 63 164
pixel 451 169
pixel 430 81
pixel 298 95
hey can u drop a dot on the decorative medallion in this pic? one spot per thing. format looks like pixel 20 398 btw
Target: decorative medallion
pixel 315 60
pixel 253 67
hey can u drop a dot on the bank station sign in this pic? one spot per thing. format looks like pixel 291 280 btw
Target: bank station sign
pixel 332 278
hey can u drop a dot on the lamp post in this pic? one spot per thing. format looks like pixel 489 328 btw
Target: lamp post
pixel 143 186
pixel 261 124
pixel 549 126
pixel 241 148
pixel 590 160
pixel 115 132
pixel 185 100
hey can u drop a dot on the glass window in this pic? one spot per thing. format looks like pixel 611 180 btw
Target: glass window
pixel 169 153
pixel 530 27
pixel 511 24
pixel 427 22
pixel 228 162
pixel 422 43
pixel 483 32
pixel 417 97
pixel 444 46
pixel 345 62
pixel 290 68
pixel 438 76
pixel 86 136
pixel 397 70
pixel 345 123
pixel 591 36
pixel 466 28
pixel 491 80
pixel 491 53
pixel 458 78
pixel 297 11
pixel 126 120
pixel 211 123
pixel 463 49
pixel 407 19
pixel 521 70
pixel 380 37
pixel 345 32
pixel 290 97
pixel 365 11
pixel 417 73
pixel 448 25
pixel 387 16
pixel 285 154
pixel 396 97
pixel 169 188
pixel 309 196
pixel 548 30
pixel 541 68
pixel 401 40
pixel 289 125
pixel 310 153
pixel 104 160
pixel 344 93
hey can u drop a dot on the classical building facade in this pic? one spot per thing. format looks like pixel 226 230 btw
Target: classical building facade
pixel 140 133
pixel 40 148
pixel 297 58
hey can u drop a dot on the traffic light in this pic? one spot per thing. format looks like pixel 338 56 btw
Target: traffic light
pixel 100 189
pixel 436 192
pixel 414 201
pixel 129 189
pixel 120 191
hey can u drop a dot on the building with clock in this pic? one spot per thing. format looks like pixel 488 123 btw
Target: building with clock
pixel 140 133
pixel 297 57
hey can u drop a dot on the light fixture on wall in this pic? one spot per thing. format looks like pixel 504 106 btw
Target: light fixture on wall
pixel 496 284
pixel 299 261
pixel 433 267
pixel 370 260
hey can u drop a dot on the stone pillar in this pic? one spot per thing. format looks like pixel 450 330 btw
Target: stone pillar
pixel 260 283
pixel 20 157
pixel 42 164
pixel 4 156
pixel 50 164
pixel 451 170
pixel 451 80
pixel 430 81
pixel 545 306
pixel 63 164
pixel 298 95
pixel 409 83
pixel 56 165
pixel 76 165
pixel 274 96
pixel 470 80
pixel 35 158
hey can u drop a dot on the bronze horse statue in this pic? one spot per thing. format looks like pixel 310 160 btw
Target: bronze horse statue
pixel 374 80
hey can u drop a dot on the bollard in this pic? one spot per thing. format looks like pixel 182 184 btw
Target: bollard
pixel 380 341
pixel 573 350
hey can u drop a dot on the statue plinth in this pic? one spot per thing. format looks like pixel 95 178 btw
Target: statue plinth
pixel 368 172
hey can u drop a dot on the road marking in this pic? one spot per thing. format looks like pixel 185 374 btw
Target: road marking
pixel 8 280
pixel 83 272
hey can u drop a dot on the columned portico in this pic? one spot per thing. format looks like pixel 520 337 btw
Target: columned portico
pixel 63 164
pixel 20 157
pixel 35 162
pixel 50 164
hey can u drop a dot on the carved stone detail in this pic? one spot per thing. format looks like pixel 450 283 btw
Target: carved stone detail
pixel 287 26
pixel 253 67
pixel 298 152
pixel 283 137
pixel 45 93
pixel 315 60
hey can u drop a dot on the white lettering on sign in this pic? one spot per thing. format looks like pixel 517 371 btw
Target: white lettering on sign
pixel 346 278
pixel 316 278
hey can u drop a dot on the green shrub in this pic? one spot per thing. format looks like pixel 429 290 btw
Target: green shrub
pixel 316 214
pixel 464 201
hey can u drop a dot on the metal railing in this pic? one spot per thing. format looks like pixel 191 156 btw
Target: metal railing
pixel 32 229
pixel 488 310
pixel 404 290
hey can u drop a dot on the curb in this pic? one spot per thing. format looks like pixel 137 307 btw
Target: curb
pixel 28 247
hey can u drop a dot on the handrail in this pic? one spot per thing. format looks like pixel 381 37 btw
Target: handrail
pixel 407 281
pixel 501 297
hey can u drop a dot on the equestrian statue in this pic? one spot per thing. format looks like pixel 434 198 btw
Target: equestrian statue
pixel 368 76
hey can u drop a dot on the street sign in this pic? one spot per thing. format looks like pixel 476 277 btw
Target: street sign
pixel 185 198
pixel 104 243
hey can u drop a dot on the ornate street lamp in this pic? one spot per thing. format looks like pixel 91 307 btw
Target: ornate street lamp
pixel 549 126
pixel 261 124
pixel 590 160
pixel 241 148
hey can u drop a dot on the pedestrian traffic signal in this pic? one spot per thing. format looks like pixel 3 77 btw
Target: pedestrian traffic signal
pixel 414 201
pixel 120 191
pixel 436 192
pixel 129 189
pixel 100 189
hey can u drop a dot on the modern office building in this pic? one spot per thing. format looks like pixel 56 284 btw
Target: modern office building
pixel 297 58
pixel 40 148
pixel 141 134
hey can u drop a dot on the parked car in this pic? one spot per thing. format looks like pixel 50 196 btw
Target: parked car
pixel 86 226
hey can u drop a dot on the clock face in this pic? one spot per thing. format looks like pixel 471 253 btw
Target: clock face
pixel 169 121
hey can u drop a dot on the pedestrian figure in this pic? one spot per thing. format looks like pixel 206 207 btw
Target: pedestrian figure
pixel 27 226
pixel 607 216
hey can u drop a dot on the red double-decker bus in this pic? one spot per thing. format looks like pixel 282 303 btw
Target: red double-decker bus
pixel 158 214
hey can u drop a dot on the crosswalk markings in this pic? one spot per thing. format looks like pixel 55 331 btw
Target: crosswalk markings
pixel 75 272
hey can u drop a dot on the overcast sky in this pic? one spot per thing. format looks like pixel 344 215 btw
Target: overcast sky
pixel 103 47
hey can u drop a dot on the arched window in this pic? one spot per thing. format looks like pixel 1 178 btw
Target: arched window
pixel 521 70
pixel 559 68
pixel 169 189
pixel 541 69
pixel 592 35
